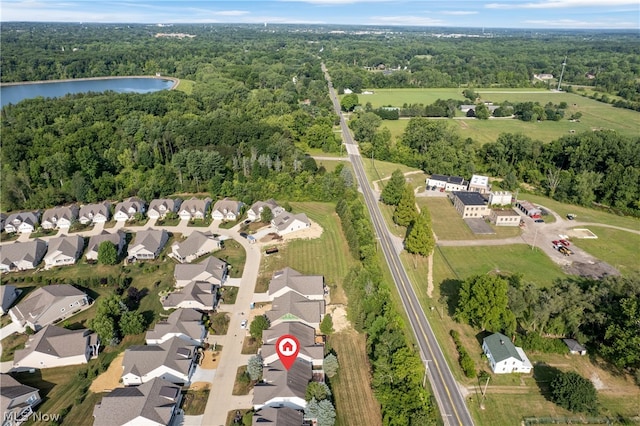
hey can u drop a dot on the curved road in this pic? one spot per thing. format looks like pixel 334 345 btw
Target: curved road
pixel 448 396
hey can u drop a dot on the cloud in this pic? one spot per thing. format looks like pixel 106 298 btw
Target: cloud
pixel 459 12
pixel 558 4
pixel 231 12
pixel 575 24
pixel 405 20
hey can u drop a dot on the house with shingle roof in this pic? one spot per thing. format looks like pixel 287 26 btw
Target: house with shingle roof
pixel 64 250
pixel 185 324
pixel 211 270
pixel 310 351
pixel 194 246
pixel 280 416
pixel 194 208
pixel 153 403
pixel 148 244
pixel 294 307
pixel 448 183
pixel 287 279
pixel 226 209
pixel 281 387
pixel 55 346
pixel 117 239
pixel 16 400
pixel 8 295
pixel 94 213
pixel 504 357
pixel 59 217
pixel 159 208
pixel 47 305
pixel 19 256
pixel 196 295
pixel 287 223
pixel 255 212
pixel 172 360
pixel 126 209
pixel 22 222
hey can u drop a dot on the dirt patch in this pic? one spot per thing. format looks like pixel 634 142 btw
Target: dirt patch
pixel 339 317
pixel 196 386
pixel 110 379
pixel 597 269
pixel 210 360
pixel 597 383
pixel 314 231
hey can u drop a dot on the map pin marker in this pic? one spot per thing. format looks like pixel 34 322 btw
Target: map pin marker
pixel 287 348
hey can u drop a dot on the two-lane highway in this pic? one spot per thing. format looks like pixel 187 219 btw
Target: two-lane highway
pixel 450 401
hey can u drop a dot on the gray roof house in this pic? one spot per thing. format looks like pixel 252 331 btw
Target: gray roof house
pixel 255 212
pixel 59 217
pixel 287 279
pixel 48 304
pixel 282 387
pixel 226 209
pixel 295 307
pixel 8 295
pixel 281 416
pixel 183 323
pixel 117 239
pixel 503 356
pixel 211 270
pixel 448 183
pixel 287 223
pixel 197 295
pixel 96 213
pixel 159 208
pixel 22 222
pixel 64 250
pixel 194 246
pixel 55 346
pixel 126 209
pixel 575 348
pixel 310 351
pixel 172 360
pixel 194 208
pixel 152 403
pixel 148 244
pixel 22 256
pixel 16 400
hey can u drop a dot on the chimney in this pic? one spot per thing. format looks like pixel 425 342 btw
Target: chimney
pixel 501 342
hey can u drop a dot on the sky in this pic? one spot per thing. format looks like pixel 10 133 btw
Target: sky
pixel 552 14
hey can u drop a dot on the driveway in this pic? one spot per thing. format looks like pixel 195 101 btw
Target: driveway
pixel 9 330
pixel 203 375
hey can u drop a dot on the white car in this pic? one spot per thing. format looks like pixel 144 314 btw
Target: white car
pixel 243 324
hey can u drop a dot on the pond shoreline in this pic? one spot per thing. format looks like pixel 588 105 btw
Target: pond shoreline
pixel 175 80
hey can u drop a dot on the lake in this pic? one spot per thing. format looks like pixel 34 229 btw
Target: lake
pixel 15 93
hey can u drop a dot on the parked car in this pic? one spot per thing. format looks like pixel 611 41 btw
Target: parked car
pixel 555 243
pixel 564 250
pixel 243 324
pixel 539 221
pixel 244 234
pixel 565 243
pixel 571 216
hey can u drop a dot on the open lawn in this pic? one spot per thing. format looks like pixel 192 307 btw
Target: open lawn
pixel 355 403
pixel 383 169
pixel 330 165
pixel 618 248
pixel 185 86
pixel 243 383
pixel 11 344
pixel 195 401
pixel 398 97
pixel 328 255
pixel 234 254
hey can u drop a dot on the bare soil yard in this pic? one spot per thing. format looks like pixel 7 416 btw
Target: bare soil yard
pixel 110 379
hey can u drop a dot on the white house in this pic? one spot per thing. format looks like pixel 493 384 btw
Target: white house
pixel 287 223
pixel 196 295
pixel 448 183
pixel 479 183
pixel 504 217
pixel 8 295
pixel 22 256
pixel 185 324
pixel 159 208
pixel 295 307
pixel 211 270
pixel 226 209
pixel 64 250
pixel 310 351
pixel 147 244
pixel 126 209
pixel 194 208
pixel 500 198
pixel 56 347
pixel 470 204
pixel 59 217
pixel 281 387
pixel 117 239
pixel 285 280
pixel 172 360
pixel 503 356
pixel 94 213
pixel 194 246
pixel 284 416
pixel 18 401
pixel 255 212
pixel 22 222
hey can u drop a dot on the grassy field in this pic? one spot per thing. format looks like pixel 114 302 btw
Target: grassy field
pixel 328 255
pixel 355 404
pixel 234 254
pixel 595 115
pixel 618 248
pixel 11 344
pixel 383 169
pixel 195 401
pixel 186 86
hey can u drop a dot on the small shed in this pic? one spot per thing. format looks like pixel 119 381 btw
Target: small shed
pixel 575 348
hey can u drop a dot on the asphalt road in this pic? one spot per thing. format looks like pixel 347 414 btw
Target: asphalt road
pixel 446 390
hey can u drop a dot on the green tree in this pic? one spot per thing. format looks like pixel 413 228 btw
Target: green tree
pixel 258 325
pixel 323 411
pixel 470 94
pixel 349 102
pixel 573 392
pixel 317 390
pixel 622 336
pixel 364 126
pixel 420 237
pixel 254 367
pixel 105 327
pixel 406 212
pixel 330 365
pixel 482 111
pixel 392 191
pixel 107 253
pixel 326 326
pixel 483 303
pixel 266 215
pixel 131 322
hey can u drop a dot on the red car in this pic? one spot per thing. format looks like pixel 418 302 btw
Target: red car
pixel 555 242
pixel 565 243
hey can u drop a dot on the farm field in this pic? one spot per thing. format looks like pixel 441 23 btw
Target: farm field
pixel 595 115
pixel 355 403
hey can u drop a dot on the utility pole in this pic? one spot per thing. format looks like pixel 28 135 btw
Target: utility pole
pixel 564 64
